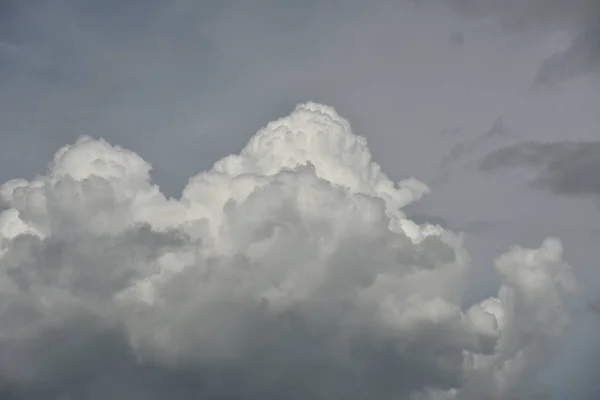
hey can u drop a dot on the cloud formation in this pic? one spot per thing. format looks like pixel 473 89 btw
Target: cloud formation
pixel 564 167
pixel 577 20
pixel 288 270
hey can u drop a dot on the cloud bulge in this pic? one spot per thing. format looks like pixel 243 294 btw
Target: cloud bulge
pixel 288 270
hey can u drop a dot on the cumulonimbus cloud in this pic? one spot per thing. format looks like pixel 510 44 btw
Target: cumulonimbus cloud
pixel 286 271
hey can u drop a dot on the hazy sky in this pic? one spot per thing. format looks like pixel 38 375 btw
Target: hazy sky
pixel 492 103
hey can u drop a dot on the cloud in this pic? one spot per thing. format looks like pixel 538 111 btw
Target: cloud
pixel 525 13
pixel 288 270
pixel 581 57
pixel 577 19
pixel 564 167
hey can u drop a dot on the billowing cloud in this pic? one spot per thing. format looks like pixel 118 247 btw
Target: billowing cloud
pixel 288 271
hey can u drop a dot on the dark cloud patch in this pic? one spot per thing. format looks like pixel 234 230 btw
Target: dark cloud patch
pixel 594 306
pixel 284 358
pixel 583 56
pixel 524 13
pixel 102 263
pixel 580 17
pixel 571 168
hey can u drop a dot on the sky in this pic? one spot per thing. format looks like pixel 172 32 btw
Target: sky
pixel 492 104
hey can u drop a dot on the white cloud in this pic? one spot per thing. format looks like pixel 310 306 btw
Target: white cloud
pixel 292 259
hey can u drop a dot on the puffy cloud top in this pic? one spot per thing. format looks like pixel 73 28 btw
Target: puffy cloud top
pixel 288 270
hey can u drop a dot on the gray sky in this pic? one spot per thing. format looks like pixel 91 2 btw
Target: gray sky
pixel 437 88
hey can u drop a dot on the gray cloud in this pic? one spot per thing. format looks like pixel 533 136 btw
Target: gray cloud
pixel 579 17
pixel 582 56
pixel 85 359
pixel 526 13
pixel 564 168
